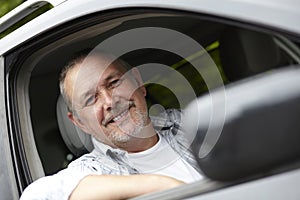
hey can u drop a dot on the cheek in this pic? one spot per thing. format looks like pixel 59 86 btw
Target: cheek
pixel 92 126
pixel 127 90
pixel 90 119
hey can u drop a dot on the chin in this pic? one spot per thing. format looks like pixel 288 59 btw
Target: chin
pixel 119 139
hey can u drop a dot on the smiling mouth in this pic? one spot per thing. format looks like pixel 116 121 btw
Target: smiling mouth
pixel 116 118
pixel 119 116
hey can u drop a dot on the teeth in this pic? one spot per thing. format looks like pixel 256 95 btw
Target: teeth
pixel 120 116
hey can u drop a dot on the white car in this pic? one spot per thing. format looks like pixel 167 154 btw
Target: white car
pixel 233 65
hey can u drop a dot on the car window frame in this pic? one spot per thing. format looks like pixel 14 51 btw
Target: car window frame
pixel 17 57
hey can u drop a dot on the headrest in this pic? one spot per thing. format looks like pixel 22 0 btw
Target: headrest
pixel 76 140
pixel 261 130
pixel 244 53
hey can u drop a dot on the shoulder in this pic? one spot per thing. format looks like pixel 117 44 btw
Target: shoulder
pixel 95 162
pixel 87 162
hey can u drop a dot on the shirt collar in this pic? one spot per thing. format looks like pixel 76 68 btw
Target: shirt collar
pixel 104 148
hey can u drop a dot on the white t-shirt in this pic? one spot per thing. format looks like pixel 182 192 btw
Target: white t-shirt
pixel 162 159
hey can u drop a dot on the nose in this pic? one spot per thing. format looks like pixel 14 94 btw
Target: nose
pixel 107 100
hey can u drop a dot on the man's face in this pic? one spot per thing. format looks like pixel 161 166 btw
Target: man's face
pixel 109 103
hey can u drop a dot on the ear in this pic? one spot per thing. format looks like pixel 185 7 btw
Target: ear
pixel 137 76
pixel 77 122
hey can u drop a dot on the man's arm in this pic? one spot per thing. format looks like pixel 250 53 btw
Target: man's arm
pixel 121 187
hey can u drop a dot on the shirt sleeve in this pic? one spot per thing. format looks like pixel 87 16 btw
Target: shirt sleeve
pixel 57 186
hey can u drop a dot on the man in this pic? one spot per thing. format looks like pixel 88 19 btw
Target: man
pixel 108 102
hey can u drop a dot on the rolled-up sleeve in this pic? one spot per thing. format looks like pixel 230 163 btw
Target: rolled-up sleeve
pixel 58 186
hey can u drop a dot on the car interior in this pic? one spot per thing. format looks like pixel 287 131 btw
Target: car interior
pixel 243 55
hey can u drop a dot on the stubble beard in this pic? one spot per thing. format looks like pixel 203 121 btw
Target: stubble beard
pixel 138 123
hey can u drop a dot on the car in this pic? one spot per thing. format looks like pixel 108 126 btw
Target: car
pixel 231 65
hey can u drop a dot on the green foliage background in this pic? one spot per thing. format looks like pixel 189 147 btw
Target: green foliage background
pixel 7 5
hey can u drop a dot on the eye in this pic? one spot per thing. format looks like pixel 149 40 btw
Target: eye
pixel 90 100
pixel 115 83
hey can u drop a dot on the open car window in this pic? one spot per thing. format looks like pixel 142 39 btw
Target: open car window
pixel 225 52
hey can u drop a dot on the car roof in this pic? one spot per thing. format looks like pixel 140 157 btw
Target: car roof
pixel 280 14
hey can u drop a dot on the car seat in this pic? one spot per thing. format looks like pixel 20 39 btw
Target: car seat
pixel 76 140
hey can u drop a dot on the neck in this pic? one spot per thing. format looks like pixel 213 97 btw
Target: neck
pixel 145 140
pixel 142 144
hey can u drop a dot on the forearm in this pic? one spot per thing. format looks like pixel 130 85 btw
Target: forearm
pixel 121 187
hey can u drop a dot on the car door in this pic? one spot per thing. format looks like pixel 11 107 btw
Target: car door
pixel 173 36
